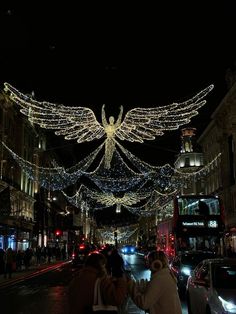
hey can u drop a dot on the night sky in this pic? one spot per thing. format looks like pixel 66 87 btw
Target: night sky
pixel 137 55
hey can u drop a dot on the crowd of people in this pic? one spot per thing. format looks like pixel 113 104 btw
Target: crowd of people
pixel 159 295
pixel 11 260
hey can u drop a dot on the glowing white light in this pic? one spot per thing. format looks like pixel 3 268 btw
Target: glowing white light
pixel 80 123
pixel 186 271
pixel 228 306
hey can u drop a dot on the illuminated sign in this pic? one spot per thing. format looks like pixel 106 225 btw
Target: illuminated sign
pixel 193 223
pixel 210 224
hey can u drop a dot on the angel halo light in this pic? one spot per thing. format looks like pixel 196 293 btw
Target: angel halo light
pixel 80 123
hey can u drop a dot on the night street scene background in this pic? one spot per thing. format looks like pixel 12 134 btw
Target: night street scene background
pixel 61 199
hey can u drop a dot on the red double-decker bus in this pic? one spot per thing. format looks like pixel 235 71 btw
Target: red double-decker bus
pixel 197 224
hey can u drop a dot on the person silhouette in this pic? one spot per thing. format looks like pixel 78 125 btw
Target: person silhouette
pixel 159 294
pixel 203 208
pixel 81 288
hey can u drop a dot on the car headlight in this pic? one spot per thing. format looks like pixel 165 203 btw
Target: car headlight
pixel 228 306
pixel 185 271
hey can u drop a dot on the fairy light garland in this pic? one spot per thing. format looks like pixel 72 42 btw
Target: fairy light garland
pixel 55 178
pixel 163 180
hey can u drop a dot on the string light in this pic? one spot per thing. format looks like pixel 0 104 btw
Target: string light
pixel 107 234
pixel 165 180
pixel 126 199
pixel 80 123
pixel 54 178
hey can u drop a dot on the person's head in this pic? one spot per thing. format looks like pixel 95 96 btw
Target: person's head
pixel 97 261
pixel 111 120
pixel 157 260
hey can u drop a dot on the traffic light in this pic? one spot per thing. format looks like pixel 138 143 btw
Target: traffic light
pixel 58 233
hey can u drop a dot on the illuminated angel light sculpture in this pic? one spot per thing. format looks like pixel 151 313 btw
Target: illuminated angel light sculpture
pixel 110 129
pixel 128 199
pixel 80 123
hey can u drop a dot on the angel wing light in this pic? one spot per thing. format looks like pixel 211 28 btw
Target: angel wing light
pixel 80 123
pixel 127 199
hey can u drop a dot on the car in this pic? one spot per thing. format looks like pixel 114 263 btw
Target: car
pixel 128 249
pixel 79 254
pixel 211 288
pixel 184 262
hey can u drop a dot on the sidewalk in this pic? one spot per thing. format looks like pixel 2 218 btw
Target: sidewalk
pixel 21 275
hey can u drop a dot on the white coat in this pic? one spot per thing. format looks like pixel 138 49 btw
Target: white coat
pixel 160 296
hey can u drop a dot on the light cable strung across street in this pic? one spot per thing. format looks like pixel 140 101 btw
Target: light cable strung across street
pixel 54 178
pixel 165 180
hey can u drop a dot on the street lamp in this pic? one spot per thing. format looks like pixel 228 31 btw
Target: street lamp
pixel 1 170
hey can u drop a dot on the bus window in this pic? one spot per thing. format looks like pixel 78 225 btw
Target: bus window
pixel 198 223
pixel 203 208
pixel 198 206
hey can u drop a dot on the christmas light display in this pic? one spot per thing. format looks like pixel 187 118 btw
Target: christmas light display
pixel 128 199
pixel 119 178
pixel 107 234
pixel 54 178
pixel 110 199
pixel 80 123
pixel 164 180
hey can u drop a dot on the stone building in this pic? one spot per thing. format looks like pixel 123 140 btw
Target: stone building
pixel 28 216
pixel 220 137
pixel 16 223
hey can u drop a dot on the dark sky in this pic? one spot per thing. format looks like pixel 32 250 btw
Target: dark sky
pixel 139 55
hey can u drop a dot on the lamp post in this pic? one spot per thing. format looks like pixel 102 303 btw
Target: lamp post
pixel 3 161
pixel 115 237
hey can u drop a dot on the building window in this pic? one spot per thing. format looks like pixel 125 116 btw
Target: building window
pixel 187 162
pixel 231 159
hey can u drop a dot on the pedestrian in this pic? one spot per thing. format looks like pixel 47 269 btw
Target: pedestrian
pixel 81 289
pixel 230 251
pixel 107 251
pixel 160 294
pixel 2 266
pixel 8 261
pixel 27 258
pixel 38 254
pixel 116 264
pixel 117 270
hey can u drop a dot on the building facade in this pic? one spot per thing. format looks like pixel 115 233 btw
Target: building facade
pixel 28 214
pixel 220 137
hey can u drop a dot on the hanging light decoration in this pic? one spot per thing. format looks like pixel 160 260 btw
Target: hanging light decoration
pixel 54 178
pixel 165 180
pixel 107 234
pixel 80 123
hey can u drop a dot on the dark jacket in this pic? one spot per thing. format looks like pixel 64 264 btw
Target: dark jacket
pixel 81 291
